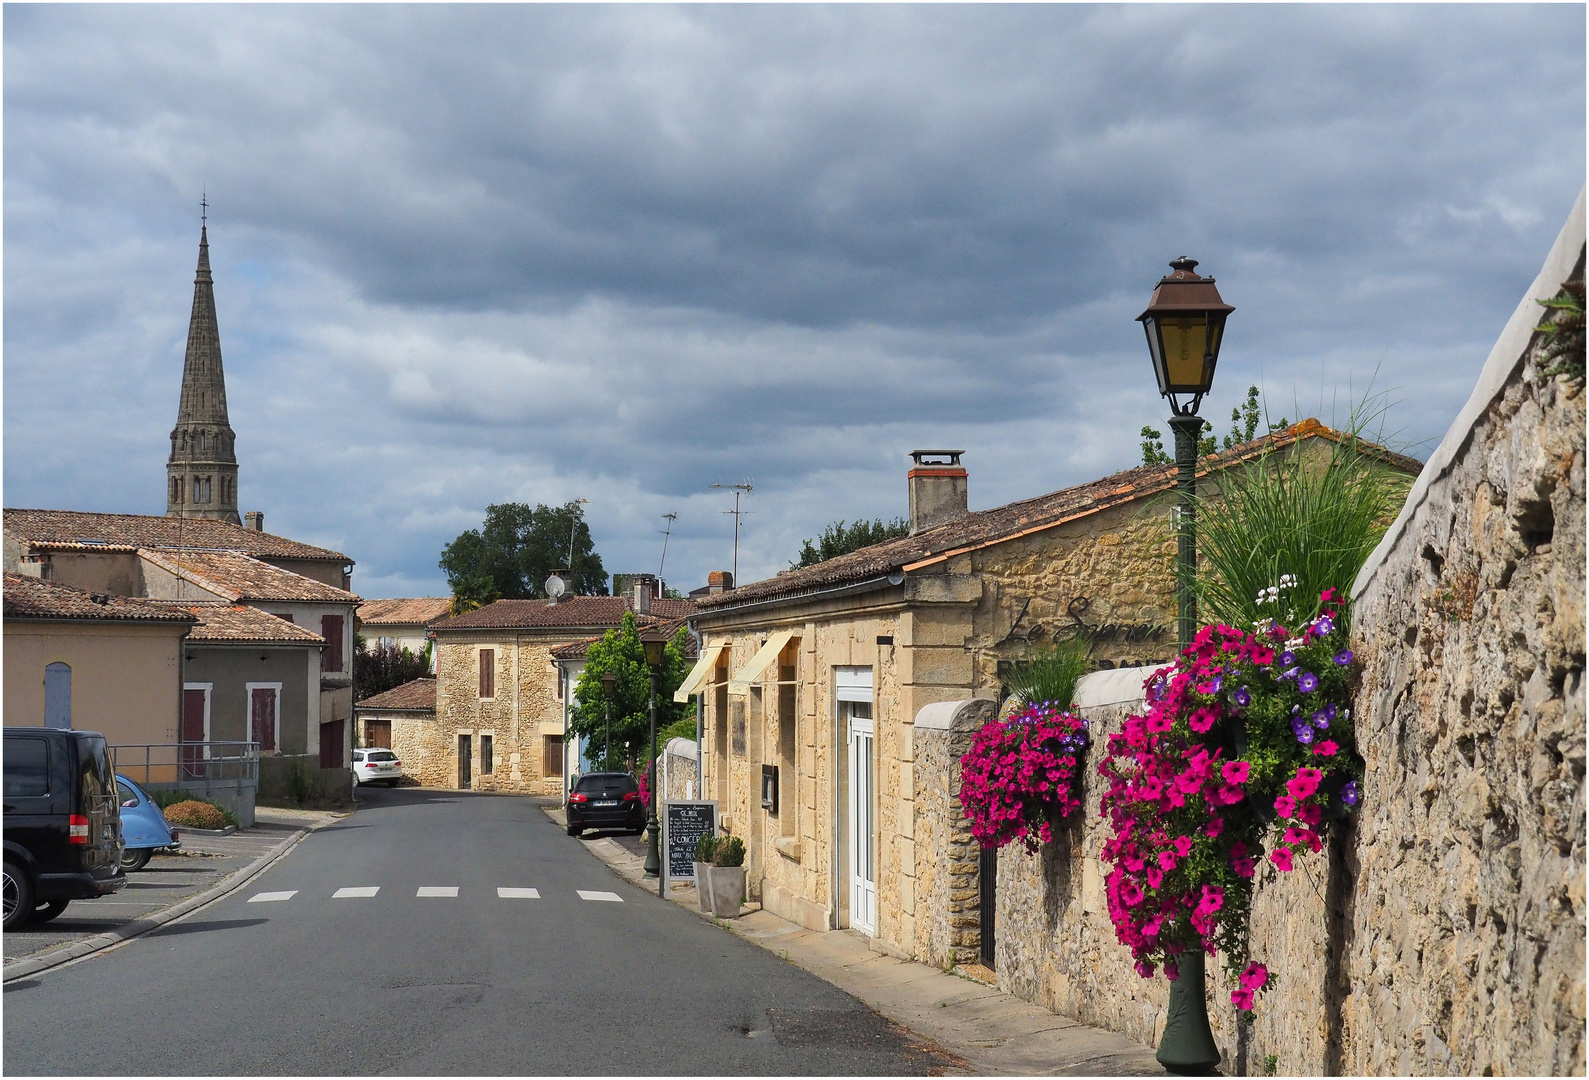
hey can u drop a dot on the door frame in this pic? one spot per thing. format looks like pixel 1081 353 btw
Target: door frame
pixel 851 683
pixel 856 729
pixel 465 760
pixel 248 695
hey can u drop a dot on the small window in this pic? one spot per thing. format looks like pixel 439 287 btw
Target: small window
pixel 128 796
pixel 27 768
pixel 552 755
pixel 488 673
pixel 485 755
pixel 358 756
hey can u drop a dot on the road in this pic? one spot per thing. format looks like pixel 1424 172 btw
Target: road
pixel 471 936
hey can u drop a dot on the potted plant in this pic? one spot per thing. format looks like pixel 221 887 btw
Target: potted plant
pixel 726 877
pixel 705 849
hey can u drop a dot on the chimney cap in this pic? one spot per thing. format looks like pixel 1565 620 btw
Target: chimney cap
pixel 952 455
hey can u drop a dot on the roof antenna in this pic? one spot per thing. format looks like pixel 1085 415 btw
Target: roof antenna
pixel 204 208
pixel 746 488
pixel 670 519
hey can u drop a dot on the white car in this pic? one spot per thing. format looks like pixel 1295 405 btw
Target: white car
pixel 371 766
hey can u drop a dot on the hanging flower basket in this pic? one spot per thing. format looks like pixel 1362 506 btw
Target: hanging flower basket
pixel 1019 777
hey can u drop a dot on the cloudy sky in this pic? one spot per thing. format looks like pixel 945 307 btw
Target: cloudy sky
pixel 475 254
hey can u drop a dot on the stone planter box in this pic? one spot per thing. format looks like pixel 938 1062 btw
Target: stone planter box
pixel 703 885
pixel 727 886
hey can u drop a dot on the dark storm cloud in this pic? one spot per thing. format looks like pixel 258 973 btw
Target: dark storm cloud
pixel 466 254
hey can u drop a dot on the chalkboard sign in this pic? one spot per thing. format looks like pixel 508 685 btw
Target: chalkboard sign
pixel 683 824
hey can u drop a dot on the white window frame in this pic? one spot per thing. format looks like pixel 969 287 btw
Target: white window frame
pixel 248 712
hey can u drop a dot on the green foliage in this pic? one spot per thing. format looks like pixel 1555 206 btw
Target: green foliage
pixel 706 848
pixel 1562 348
pixel 1271 1063
pixel 729 851
pixel 1153 452
pixel 166 798
pixel 620 652
pixel 1283 514
pixel 512 553
pixel 1244 420
pixel 1050 674
pixel 679 729
pixel 300 782
pixel 840 539
pixel 378 670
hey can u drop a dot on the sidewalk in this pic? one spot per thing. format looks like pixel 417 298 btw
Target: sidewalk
pixel 995 1033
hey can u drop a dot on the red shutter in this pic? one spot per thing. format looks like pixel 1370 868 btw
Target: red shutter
pixel 331 630
pixel 488 681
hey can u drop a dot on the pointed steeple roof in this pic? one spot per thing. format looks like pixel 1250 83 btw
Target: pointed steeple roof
pixel 203 380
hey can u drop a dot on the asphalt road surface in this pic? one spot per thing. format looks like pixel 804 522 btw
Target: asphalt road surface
pixel 441 933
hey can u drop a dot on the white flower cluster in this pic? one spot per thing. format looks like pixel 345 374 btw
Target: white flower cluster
pixel 1272 593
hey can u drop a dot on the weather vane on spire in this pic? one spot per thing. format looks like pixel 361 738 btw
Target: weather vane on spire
pixel 204 208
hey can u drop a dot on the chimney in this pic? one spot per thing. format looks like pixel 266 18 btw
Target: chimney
pixel 719 581
pixel 642 598
pixel 255 520
pixel 937 488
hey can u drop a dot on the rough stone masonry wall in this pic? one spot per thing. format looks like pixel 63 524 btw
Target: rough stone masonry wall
pixel 1465 930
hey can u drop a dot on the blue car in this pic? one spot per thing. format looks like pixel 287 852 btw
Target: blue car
pixel 143 826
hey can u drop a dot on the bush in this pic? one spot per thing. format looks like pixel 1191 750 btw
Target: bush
pixel 195 815
pixel 165 798
pixel 729 851
pixel 706 848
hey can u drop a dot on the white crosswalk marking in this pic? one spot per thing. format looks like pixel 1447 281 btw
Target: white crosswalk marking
pixel 267 897
pixel 359 890
pixel 518 894
pixel 592 894
pixel 437 890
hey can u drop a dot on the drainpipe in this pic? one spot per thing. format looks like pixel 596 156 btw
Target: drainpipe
pixel 700 711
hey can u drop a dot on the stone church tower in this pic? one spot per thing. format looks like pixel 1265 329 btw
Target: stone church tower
pixel 201 474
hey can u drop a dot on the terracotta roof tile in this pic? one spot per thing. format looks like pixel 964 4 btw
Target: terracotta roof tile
pixel 578 650
pixel 239 624
pixel 33 598
pixel 983 527
pixel 239 577
pixel 403 611
pixel 51 528
pixel 419 695
pixel 574 612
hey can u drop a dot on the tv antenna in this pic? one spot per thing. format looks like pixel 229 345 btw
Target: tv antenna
pixel 670 519
pixel 738 489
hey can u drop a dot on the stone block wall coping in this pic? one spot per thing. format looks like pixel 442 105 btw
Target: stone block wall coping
pixel 942 715
pixel 684 748
pixel 1118 686
pixel 1503 361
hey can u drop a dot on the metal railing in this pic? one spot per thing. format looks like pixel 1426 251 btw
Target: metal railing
pixel 166 763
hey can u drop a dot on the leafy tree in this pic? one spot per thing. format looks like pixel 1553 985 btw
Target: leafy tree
pixel 1243 426
pixel 512 553
pixel 378 670
pixel 620 652
pixel 839 539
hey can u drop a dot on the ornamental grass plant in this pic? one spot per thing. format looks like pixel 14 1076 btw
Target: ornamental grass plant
pixel 1050 674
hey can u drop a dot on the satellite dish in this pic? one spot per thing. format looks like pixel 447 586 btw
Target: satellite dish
pixel 555 586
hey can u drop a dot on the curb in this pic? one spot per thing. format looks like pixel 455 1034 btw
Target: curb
pixel 66 954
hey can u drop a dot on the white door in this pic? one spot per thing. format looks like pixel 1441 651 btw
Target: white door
pixel 863 861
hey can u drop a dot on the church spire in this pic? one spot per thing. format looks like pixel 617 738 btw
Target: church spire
pixel 201 473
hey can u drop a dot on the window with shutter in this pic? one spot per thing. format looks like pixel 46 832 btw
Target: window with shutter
pixel 551 755
pixel 331 630
pixel 488 681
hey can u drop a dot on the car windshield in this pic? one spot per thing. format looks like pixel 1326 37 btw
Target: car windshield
pixel 607 783
pixel 382 755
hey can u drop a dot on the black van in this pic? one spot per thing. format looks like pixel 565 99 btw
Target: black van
pixel 62 822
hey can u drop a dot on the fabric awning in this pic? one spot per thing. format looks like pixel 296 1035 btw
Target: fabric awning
pixel 739 685
pixel 700 674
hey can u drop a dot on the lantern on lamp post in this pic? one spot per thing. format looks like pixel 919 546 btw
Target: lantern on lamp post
pixel 1185 324
pixel 655 644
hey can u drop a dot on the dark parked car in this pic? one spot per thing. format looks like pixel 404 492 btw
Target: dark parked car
pixel 605 800
pixel 62 822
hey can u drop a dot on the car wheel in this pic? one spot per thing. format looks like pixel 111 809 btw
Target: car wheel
pixel 18 893
pixel 135 858
pixel 575 830
pixel 47 911
pixel 356 781
pixel 391 783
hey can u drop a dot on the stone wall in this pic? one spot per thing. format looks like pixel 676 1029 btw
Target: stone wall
pixel 948 913
pixel 1464 936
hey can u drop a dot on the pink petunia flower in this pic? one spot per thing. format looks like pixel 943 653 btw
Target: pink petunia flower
pixel 1254 977
pixel 1235 772
pixel 1285 806
pixel 1326 748
pixel 1281 857
pixel 1242 999
pixel 1215 826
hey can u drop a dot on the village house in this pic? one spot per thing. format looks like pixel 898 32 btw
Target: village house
pixel 404 713
pixel 812 680
pixel 499 720
pixel 400 623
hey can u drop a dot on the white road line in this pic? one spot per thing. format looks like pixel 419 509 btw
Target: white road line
pixel 592 894
pixel 518 894
pixel 359 890
pixel 437 890
pixel 267 897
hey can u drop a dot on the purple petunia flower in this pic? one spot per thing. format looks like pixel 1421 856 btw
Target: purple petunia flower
pixel 1321 720
pixel 1343 657
pixel 1324 626
pixel 1303 730
pixel 1213 687
pixel 1349 793
pixel 1308 682
pixel 1242 697
pixel 1329 711
pixel 1287 658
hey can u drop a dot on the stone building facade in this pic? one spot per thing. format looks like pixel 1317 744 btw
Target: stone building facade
pixel 499 713
pixel 806 662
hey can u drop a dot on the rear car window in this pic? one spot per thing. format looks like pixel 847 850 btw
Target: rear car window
pixel 27 768
pixel 98 779
pixel 619 784
pixel 127 795
pixel 381 755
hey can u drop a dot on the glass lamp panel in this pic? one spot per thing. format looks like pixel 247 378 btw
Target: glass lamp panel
pixel 1185 342
pixel 1151 325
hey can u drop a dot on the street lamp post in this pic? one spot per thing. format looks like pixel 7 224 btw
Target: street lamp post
pixel 1185 324
pixel 609 683
pixel 655 644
